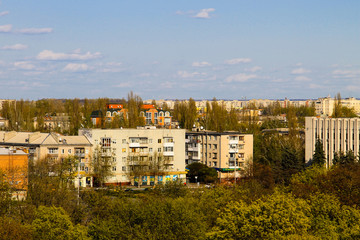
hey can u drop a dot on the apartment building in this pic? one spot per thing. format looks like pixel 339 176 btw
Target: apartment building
pixel 325 106
pixel 336 134
pixel 53 146
pixel 143 156
pixel 226 152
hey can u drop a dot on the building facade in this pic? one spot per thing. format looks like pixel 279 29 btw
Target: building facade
pixel 14 170
pixel 143 156
pixel 336 134
pixel 225 152
pixel 53 146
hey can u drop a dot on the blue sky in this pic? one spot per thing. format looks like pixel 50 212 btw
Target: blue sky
pixel 230 49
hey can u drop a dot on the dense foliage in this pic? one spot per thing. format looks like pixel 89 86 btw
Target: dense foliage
pixel 317 204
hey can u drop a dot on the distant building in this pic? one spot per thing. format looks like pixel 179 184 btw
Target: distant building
pixel 143 156
pixel 155 117
pixel 53 146
pixel 57 122
pixel 222 151
pixel 325 106
pixel 336 134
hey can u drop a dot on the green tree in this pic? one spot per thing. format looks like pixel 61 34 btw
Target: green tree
pixel 203 173
pixel 101 166
pixel 319 154
pixel 54 223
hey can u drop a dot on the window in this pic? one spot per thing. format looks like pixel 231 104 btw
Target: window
pixel 168 139
pixel 106 142
pixel 209 155
pixel 215 146
pixel 114 141
pixel 159 149
pixel 52 150
pixel 69 151
pixel 214 155
pixel 123 159
pixel 241 146
pixel 114 159
pixel 209 146
pixel 124 141
pixel 150 159
pixel 124 150
pixel 159 140
pixel 150 140
pixel 62 151
pixel 241 138
pixel 168 149
pixel 214 164
pixel 150 150
pixel 114 169
pixel 241 155
pixel 123 168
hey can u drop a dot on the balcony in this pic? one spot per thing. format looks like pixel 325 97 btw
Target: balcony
pixel 168 144
pixel 134 144
pixel 233 150
pixel 80 154
pixel 233 141
pixel 193 149
pixel 168 153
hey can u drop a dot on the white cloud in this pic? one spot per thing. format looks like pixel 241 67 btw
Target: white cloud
pixel 124 84
pixel 4 13
pixel 110 67
pixel 200 64
pixel 254 69
pixel 5 28
pixel 315 86
pixel 302 79
pixel 242 77
pixel 17 46
pixel 204 13
pixel 50 55
pixel 345 73
pixel 237 61
pixel 76 67
pixel 185 74
pixel 24 65
pixel 300 71
pixel 35 30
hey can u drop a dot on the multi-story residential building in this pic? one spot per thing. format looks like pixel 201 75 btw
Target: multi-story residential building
pixel 143 156
pixel 336 134
pixel 54 146
pixel 157 117
pixel 325 106
pixel 226 152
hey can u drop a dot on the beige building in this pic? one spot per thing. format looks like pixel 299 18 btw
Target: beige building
pixel 337 135
pixel 143 156
pixel 54 146
pixel 222 151
pixel 325 106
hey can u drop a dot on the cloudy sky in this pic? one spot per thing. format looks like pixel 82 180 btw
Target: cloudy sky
pixel 232 49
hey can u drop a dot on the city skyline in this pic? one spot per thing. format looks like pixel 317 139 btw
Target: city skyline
pixel 166 50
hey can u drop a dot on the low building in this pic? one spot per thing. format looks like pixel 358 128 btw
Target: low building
pixel 336 134
pixel 143 156
pixel 53 146
pixel 226 152
pixel 14 170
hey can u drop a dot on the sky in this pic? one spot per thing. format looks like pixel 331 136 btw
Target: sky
pixel 233 49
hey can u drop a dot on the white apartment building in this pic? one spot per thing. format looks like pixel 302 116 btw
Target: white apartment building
pixel 145 156
pixel 337 134
pixel 225 151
